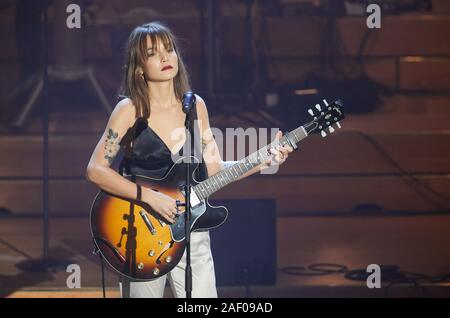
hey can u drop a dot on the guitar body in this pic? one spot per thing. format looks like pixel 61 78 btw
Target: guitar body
pixel 135 240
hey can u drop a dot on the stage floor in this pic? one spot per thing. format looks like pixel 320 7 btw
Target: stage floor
pixel 415 244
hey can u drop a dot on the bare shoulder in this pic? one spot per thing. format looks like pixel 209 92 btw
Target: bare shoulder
pixel 125 107
pixel 201 107
pixel 199 99
pixel 124 112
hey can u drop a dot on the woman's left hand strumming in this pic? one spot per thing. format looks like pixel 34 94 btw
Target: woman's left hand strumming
pixel 279 153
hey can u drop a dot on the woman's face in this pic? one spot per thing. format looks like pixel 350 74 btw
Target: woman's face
pixel 161 64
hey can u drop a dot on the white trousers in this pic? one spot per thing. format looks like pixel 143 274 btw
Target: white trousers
pixel 203 276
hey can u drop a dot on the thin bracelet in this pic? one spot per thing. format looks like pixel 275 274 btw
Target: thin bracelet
pixel 138 192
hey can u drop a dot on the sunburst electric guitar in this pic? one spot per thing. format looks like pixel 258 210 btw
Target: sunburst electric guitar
pixel 139 244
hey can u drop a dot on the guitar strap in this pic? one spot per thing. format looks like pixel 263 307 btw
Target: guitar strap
pixel 127 144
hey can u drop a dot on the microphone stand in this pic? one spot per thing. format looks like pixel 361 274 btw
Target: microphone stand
pixel 46 263
pixel 188 104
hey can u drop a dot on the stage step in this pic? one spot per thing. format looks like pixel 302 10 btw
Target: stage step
pixel 294 194
pixel 340 173
pixel 416 244
pixel 345 152
pixel 413 73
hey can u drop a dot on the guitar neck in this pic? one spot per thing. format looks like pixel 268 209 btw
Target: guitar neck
pixel 224 177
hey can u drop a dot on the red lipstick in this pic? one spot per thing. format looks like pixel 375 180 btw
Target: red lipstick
pixel 167 67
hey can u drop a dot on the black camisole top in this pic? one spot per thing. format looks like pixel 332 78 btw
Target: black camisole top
pixel 146 154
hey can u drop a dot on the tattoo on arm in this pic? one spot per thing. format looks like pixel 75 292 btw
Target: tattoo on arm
pixel 112 145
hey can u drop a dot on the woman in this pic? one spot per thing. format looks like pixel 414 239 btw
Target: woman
pixel 142 123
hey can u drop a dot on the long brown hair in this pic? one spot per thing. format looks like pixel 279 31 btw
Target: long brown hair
pixel 134 86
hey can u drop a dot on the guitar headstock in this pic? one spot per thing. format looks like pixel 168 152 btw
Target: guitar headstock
pixel 324 116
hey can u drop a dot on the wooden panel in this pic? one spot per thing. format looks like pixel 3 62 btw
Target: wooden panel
pixel 404 124
pixel 399 35
pixel 415 73
pixel 295 70
pixel 294 194
pixel 414 114
pixel 344 153
pixel 66 197
pixel 441 7
pixel 291 37
pixel 295 38
pixel 20 156
pixel 419 34
pixel 416 244
pixel 424 74
pixel 69 155
pixel 286 36
pixel 353 153
pixel 422 105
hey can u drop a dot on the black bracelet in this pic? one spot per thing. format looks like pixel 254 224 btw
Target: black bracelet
pixel 139 192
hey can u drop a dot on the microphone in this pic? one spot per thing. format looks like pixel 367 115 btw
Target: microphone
pixel 188 102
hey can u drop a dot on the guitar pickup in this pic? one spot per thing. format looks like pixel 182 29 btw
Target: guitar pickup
pixel 147 222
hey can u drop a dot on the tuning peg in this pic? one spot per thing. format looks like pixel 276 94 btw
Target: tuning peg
pixel 325 102
pixel 310 111
pixel 318 107
pixel 331 129
pixel 323 133
pixel 339 125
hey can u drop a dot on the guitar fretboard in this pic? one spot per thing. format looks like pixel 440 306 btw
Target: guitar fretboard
pixel 224 177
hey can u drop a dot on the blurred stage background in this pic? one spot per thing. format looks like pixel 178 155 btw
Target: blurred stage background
pixel 376 192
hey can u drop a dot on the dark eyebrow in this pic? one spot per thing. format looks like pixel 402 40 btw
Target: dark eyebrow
pixel 152 48
pixel 156 48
